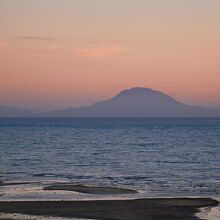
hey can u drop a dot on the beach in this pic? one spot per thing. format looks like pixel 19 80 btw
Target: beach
pixel 109 209
pixel 151 209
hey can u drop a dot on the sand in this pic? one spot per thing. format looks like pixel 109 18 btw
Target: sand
pixel 209 213
pixel 13 183
pixel 133 209
pixel 89 189
pixel 140 209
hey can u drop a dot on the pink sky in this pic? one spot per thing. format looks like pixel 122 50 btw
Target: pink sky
pixel 56 54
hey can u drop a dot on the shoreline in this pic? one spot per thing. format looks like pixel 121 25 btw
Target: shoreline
pixel 151 209
pixel 98 202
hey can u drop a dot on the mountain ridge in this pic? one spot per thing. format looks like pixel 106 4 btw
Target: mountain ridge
pixel 137 102
pixel 134 102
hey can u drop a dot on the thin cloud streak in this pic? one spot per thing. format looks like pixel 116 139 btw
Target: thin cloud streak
pixel 100 52
pixel 78 40
pixel 37 38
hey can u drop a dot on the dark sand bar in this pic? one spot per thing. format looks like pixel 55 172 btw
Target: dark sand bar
pixel 14 183
pixel 89 189
pixel 139 209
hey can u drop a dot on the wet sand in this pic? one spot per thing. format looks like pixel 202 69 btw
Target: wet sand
pixel 14 183
pixel 89 189
pixel 139 209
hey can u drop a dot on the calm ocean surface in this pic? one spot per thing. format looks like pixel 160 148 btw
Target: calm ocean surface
pixel 167 157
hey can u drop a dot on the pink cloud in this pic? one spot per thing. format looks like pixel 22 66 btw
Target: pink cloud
pixel 100 51
pixel 3 44
pixel 53 46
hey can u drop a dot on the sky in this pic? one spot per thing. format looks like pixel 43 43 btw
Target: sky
pixel 61 53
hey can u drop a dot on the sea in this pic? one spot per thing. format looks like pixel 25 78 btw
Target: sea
pixel 158 157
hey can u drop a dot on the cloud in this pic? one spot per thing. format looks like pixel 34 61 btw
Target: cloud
pixel 87 41
pixel 30 37
pixel 53 46
pixel 100 51
pixel 3 44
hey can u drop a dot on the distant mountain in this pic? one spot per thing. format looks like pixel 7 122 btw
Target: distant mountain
pixel 137 102
pixel 6 111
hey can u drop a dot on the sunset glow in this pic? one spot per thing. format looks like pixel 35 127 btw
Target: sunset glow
pixel 56 54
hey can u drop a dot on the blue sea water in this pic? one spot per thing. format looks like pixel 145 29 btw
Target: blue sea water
pixel 160 157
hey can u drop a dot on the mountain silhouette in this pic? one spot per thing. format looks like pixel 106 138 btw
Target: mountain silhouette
pixel 137 102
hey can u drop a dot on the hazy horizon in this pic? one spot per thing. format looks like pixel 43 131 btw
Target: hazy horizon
pixel 89 101
pixel 130 90
pixel 58 54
